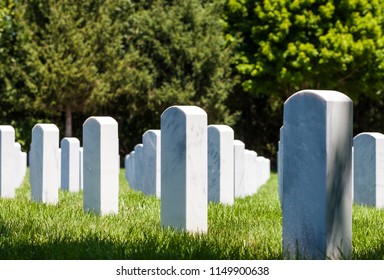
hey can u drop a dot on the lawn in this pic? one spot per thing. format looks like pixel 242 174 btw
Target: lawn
pixel 250 229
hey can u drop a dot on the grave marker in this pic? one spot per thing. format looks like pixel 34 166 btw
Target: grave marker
pixel 239 184
pixel 368 169
pixel 101 171
pixel 317 148
pixel 44 163
pixel 184 168
pixel 220 164
pixel 70 164
pixel 7 161
pixel 152 162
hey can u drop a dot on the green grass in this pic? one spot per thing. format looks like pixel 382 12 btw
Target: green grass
pixel 250 229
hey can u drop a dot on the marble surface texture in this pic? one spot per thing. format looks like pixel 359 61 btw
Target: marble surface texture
pixel 70 164
pixel 368 169
pixel 101 171
pixel 317 160
pixel 7 161
pixel 184 197
pixel 152 162
pixel 45 164
pixel 220 164
pixel 238 157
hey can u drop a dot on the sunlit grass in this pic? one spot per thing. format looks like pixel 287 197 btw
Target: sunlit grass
pixel 250 229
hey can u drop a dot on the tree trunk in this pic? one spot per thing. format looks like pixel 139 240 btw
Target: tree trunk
pixel 68 121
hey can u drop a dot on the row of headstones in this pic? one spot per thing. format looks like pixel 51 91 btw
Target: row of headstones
pixel 13 162
pixel 233 171
pixel 367 169
pixel 51 166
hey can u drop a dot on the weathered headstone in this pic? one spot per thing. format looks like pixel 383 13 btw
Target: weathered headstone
pixel 239 184
pixel 152 162
pixel 317 148
pixel 368 169
pixel 220 164
pixel 44 163
pixel 101 171
pixel 7 161
pixel 184 198
pixel 70 164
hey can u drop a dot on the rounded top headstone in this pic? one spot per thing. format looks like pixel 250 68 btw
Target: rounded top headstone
pixel 6 128
pixel 185 110
pixel 325 95
pixel 45 127
pixel 375 135
pixel 220 127
pixel 70 140
pixel 238 143
pixel 101 120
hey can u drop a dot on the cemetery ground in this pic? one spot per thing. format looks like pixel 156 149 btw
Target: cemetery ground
pixel 250 229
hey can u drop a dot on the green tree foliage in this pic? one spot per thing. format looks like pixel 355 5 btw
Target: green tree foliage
pixel 285 46
pixel 180 57
pixel 127 59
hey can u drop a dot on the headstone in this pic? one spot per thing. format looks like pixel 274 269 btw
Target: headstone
pixel 7 161
pixel 70 169
pixel 139 167
pixel 184 198
pixel 126 167
pixel 317 205
pixel 101 171
pixel 18 167
pixel 220 164
pixel 152 160
pixel 368 169
pixel 250 172
pixel 238 157
pixel 81 168
pixel 130 169
pixel 44 163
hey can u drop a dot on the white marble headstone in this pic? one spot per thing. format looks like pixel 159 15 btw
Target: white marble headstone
pixel 317 160
pixel 152 162
pixel 220 164
pixel 369 169
pixel 70 164
pixel 184 198
pixel 101 171
pixel 44 163
pixel 239 184
pixel 7 161
pixel 251 173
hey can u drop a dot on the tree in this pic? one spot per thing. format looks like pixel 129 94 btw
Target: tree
pixel 127 59
pixel 284 46
pixel 69 47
